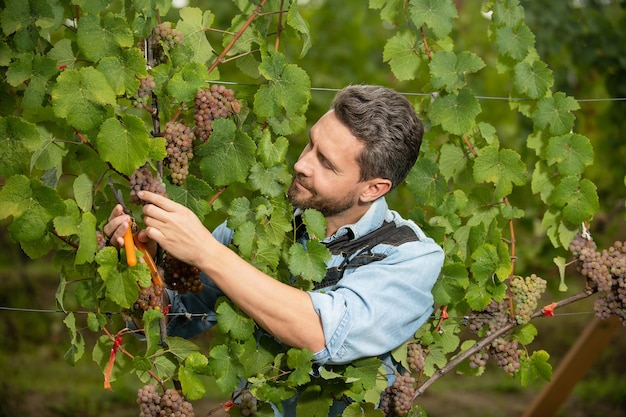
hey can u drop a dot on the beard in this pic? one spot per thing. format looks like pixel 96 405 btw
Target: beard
pixel 326 205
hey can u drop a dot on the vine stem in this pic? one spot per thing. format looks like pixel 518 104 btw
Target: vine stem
pixel 487 340
pixel 280 26
pixel 253 16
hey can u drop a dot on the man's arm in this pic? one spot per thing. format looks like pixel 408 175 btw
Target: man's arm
pixel 285 312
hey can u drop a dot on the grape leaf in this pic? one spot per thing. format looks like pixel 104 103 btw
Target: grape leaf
pixel 67 225
pixel 449 69
pixel 515 42
pixel 311 402
pixel 121 280
pixel 541 182
pixel 438 15
pixel 451 284
pixel 485 263
pixel 456 113
pixel 309 262
pixel 532 79
pixel 228 156
pixel 452 160
pixel 192 194
pixel 83 192
pixel 272 152
pixel 391 9
pixel 88 245
pixel 271 182
pixel 63 54
pixel 32 205
pixel 185 83
pixel 425 182
pixel 98 39
pixel 300 361
pixel 193 386
pixel 238 212
pixel 77 342
pixel 502 167
pixel 297 22
pixel 124 143
pixel 50 152
pixel 288 89
pixel 18 138
pixel 83 97
pixel 182 348
pixel 578 199
pixel 571 153
pixel 124 70
pixel 477 297
pixel 508 13
pixel 556 112
pixel 315 223
pixel 233 321
pixel 193 24
pixel 401 52
pixel 224 368
pixel 276 226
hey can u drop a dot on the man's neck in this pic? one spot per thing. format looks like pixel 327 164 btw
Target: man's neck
pixel 350 216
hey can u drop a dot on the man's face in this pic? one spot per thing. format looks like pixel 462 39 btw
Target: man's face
pixel 326 176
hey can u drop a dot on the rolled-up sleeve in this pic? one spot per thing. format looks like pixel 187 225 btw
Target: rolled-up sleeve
pixel 378 306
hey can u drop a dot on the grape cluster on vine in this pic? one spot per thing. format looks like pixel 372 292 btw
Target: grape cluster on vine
pixel 179 146
pixel 415 357
pixel 485 323
pixel 169 404
pixel 213 103
pixel 180 276
pixel 142 97
pixel 150 298
pixel 247 403
pixel 397 399
pixel 526 293
pixel 164 36
pixel 607 270
pixel 143 180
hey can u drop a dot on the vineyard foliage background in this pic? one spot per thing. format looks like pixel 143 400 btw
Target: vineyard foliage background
pixel 512 165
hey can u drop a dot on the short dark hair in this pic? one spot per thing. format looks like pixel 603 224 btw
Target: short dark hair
pixel 388 125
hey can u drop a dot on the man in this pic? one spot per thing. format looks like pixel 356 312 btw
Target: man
pixel 375 297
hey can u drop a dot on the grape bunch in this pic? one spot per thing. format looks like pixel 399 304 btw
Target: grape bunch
pixel 165 37
pixel 397 399
pixel 213 103
pixel 248 403
pixel 143 179
pixel 179 146
pixel 526 294
pixel 170 404
pixel 181 277
pixel 150 297
pixel 415 357
pixel 507 354
pixel 142 97
pixel 493 317
pixel 478 359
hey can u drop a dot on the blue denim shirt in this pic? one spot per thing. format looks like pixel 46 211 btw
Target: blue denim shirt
pixel 369 312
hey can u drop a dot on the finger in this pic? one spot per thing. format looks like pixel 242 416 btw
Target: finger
pixel 117 210
pixel 114 224
pixel 158 200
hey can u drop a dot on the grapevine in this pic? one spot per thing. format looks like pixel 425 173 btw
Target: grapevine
pixel 171 403
pixel 164 38
pixel 397 399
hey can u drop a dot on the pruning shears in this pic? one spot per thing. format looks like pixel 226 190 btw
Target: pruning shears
pixel 131 241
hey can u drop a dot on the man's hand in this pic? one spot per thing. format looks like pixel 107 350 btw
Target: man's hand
pixel 176 228
pixel 118 224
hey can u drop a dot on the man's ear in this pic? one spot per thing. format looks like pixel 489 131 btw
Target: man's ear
pixel 374 189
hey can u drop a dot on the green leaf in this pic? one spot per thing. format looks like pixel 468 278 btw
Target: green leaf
pixel 272 152
pixel 312 402
pixel 297 22
pixel 532 79
pixel 124 143
pixel 560 262
pixel 451 284
pixel 526 333
pixel 288 92
pixel 536 366
pixel 83 192
pixel 315 223
pixel 508 13
pixel 502 167
pixel 67 225
pixel 18 138
pixel 121 280
pixel 360 409
pixel 425 182
pixel 88 242
pixel 271 182
pixel 449 69
pixel 300 360
pixel 83 97
pixel 438 15
pixel 184 84
pixel 63 54
pixel 193 24
pixel 32 205
pixel 181 348
pixel 77 347
pixel 515 42
pixel 571 153
pixel 402 54
pixel 578 199
pixel 310 262
pixel 96 321
pixel 485 263
pixel 99 39
pixel 452 160
pixel 455 113
pixel 193 194
pixel 435 359
pixel 238 212
pixel 124 70
pixel 477 297
pixel 228 156
pixel 225 370
pixel 556 113
pixel 49 154
pixel 233 321
pixel 542 181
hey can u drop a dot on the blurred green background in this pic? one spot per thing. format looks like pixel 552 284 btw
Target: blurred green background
pixel 582 41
